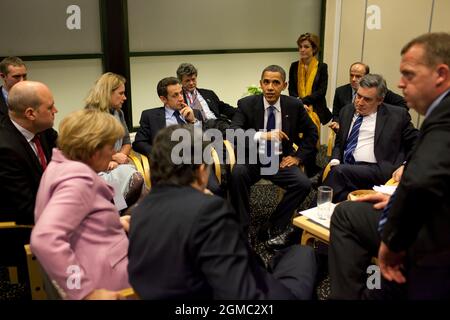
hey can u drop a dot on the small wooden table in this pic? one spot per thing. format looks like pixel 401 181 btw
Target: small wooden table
pixel 312 231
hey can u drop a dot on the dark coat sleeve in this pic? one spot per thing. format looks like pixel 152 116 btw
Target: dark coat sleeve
pixel 293 79
pixel 221 251
pixel 144 136
pixel 395 99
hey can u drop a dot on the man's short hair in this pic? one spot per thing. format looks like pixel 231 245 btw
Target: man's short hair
pixel 274 68
pixel 85 131
pixel 164 170
pixel 436 45
pixel 186 69
pixel 10 61
pixel 374 81
pixel 366 66
pixel 161 88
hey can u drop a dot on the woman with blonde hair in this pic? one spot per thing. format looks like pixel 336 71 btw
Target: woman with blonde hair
pixel 79 238
pixel 108 95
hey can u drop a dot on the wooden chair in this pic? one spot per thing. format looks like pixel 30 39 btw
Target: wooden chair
pixel 35 276
pixel 142 165
pixel 129 294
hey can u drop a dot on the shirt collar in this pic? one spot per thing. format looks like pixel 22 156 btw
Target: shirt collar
pixel 5 93
pixel 277 104
pixel 436 103
pixel 27 134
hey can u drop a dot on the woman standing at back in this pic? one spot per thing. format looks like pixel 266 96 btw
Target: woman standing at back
pixel 308 78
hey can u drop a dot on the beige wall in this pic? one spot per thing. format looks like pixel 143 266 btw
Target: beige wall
pixel 69 80
pixel 348 39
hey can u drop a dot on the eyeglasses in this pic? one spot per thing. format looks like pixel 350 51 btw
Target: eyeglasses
pixel 305 35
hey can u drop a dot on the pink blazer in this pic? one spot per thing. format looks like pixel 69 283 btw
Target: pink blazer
pixel 78 238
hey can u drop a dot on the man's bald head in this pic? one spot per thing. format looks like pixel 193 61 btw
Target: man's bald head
pixel 32 104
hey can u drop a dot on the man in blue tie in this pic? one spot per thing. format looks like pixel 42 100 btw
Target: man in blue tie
pixel 409 232
pixel 174 111
pixel 278 121
pixel 374 139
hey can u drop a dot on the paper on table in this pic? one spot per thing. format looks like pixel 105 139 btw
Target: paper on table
pixel 312 214
pixel 385 189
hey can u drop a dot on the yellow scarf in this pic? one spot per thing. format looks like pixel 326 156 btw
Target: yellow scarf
pixel 304 86
pixel 306 79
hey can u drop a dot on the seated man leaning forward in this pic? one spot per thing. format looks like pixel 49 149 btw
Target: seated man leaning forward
pixel 185 244
pixel 374 139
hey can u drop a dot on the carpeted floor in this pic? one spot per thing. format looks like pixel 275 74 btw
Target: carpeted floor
pixel 264 198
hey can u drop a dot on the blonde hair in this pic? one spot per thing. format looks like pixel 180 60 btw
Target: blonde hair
pixel 100 95
pixel 85 131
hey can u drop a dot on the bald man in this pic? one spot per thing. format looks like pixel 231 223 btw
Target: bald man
pixel 22 157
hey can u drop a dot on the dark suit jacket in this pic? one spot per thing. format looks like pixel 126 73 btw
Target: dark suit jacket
pixel 217 106
pixel 188 245
pixel 343 97
pixel 20 172
pixel 319 90
pixel 419 218
pixel 295 120
pixel 395 136
pixel 152 120
pixel 3 105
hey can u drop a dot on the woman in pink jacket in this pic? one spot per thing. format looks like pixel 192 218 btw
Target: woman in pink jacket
pixel 79 238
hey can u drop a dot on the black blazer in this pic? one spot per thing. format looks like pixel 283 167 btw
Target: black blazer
pixel 3 105
pixel 343 97
pixel 419 218
pixel 319 90
pixel 295 120
pixel 217 106
pixel 20 172
pixel 188 245
pixel 152 120
pixel 395 136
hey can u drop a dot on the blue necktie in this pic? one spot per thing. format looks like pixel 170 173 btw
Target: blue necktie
pixel 384 215
pixel 176 113
pixel 352 141
pixel 269 127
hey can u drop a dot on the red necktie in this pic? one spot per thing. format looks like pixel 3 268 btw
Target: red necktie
pixel 40 151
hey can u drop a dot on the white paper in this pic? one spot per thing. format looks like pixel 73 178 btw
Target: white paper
pixel 313 215
pixel 385 189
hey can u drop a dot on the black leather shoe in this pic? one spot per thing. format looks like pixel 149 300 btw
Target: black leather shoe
pixel 284 239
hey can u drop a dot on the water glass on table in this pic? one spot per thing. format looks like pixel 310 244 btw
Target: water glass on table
pixel 324 198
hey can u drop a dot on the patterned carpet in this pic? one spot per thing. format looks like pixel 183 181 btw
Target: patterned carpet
pixel 264 198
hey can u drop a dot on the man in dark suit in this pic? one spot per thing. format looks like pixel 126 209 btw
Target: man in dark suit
pixel 185 244
pixel 174 111
pixel 26 142
pixel 32 112
pixel 216 113
pixel 277 122
pixel 368 156
pixel 12 70
pixel 345 94
pixel 153 120
pixel 411 235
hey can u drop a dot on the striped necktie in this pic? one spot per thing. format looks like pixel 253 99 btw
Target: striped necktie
pixel 352 141
pixel 384 215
